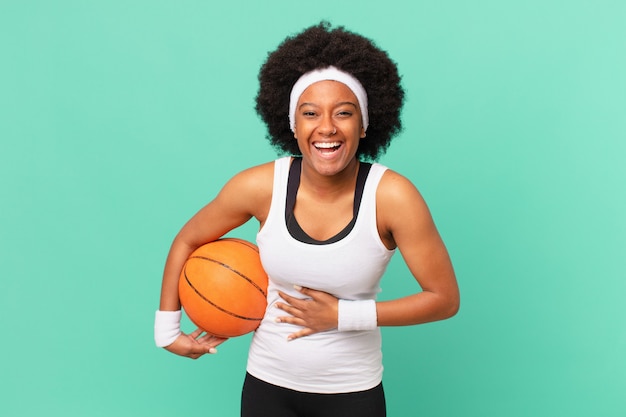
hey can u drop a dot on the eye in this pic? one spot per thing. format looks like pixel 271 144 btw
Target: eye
pixel 344 113
pixel 308 113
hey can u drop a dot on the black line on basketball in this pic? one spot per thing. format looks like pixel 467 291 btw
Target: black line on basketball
pixel 215 305
pixel 231 269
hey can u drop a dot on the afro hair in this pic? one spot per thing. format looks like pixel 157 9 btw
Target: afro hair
pixel 321 46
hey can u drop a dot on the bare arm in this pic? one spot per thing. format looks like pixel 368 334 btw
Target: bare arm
pixel 404 220
pixel 246 195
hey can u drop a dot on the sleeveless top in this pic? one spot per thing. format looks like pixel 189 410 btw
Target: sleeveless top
pixel 349 267
pixel 293 184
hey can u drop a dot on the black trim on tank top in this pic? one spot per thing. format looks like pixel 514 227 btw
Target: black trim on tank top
pixel 293 183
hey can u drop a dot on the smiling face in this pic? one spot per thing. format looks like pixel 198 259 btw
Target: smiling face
pixel 328 127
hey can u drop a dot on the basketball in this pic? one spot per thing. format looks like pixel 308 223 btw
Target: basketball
pixel 223 287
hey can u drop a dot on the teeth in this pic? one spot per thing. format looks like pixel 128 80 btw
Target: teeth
pixel 327 145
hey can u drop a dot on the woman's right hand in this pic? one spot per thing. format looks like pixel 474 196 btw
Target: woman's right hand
pixel 195 344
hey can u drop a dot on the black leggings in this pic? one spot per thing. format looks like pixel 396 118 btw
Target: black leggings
pixel 261 399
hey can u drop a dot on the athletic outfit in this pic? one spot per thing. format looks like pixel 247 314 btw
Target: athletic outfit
pixel 348 266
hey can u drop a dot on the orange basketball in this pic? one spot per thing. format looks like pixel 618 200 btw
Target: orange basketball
pixel 223 287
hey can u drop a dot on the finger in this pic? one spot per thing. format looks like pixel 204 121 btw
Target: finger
pixel 199 350
pixel 290 320
pixel 294 306
pixel 206 338
pixel 196 333
pixel 284 307
pixel 288 298
pixel 300 333
pixel 209 339
pixel 307 291
pixel 311 294
pixel 299 288
pixel 293 311
pixel 293 300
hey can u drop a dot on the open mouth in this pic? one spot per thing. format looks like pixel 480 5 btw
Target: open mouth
pixel 327 147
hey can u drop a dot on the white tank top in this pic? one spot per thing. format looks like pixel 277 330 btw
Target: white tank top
pixel 351 268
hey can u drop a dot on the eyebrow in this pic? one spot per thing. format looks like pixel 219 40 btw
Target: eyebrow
pixel 337 105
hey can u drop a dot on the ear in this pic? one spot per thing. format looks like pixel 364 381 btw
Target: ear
pixel 362 132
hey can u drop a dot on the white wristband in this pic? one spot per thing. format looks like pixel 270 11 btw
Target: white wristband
pixel 357 315
pixel 166 327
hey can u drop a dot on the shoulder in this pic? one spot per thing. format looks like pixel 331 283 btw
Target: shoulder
pixel 395 188
pixel 254 177
pixel 250 190
pixel 399 203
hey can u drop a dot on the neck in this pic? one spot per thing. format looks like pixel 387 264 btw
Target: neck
pixel 329 186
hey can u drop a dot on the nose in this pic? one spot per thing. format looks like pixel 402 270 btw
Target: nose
pixel 326 127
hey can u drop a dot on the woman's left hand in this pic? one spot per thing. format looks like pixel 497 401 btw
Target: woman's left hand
pixel 315 314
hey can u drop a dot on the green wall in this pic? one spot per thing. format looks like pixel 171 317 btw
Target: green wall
pixel 119 119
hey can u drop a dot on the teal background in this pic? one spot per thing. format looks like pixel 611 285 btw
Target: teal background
pixel 120 119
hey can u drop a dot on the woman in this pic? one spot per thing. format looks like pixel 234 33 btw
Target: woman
pixel 329 223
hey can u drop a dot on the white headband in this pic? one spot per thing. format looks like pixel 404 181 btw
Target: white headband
pixel 333 74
